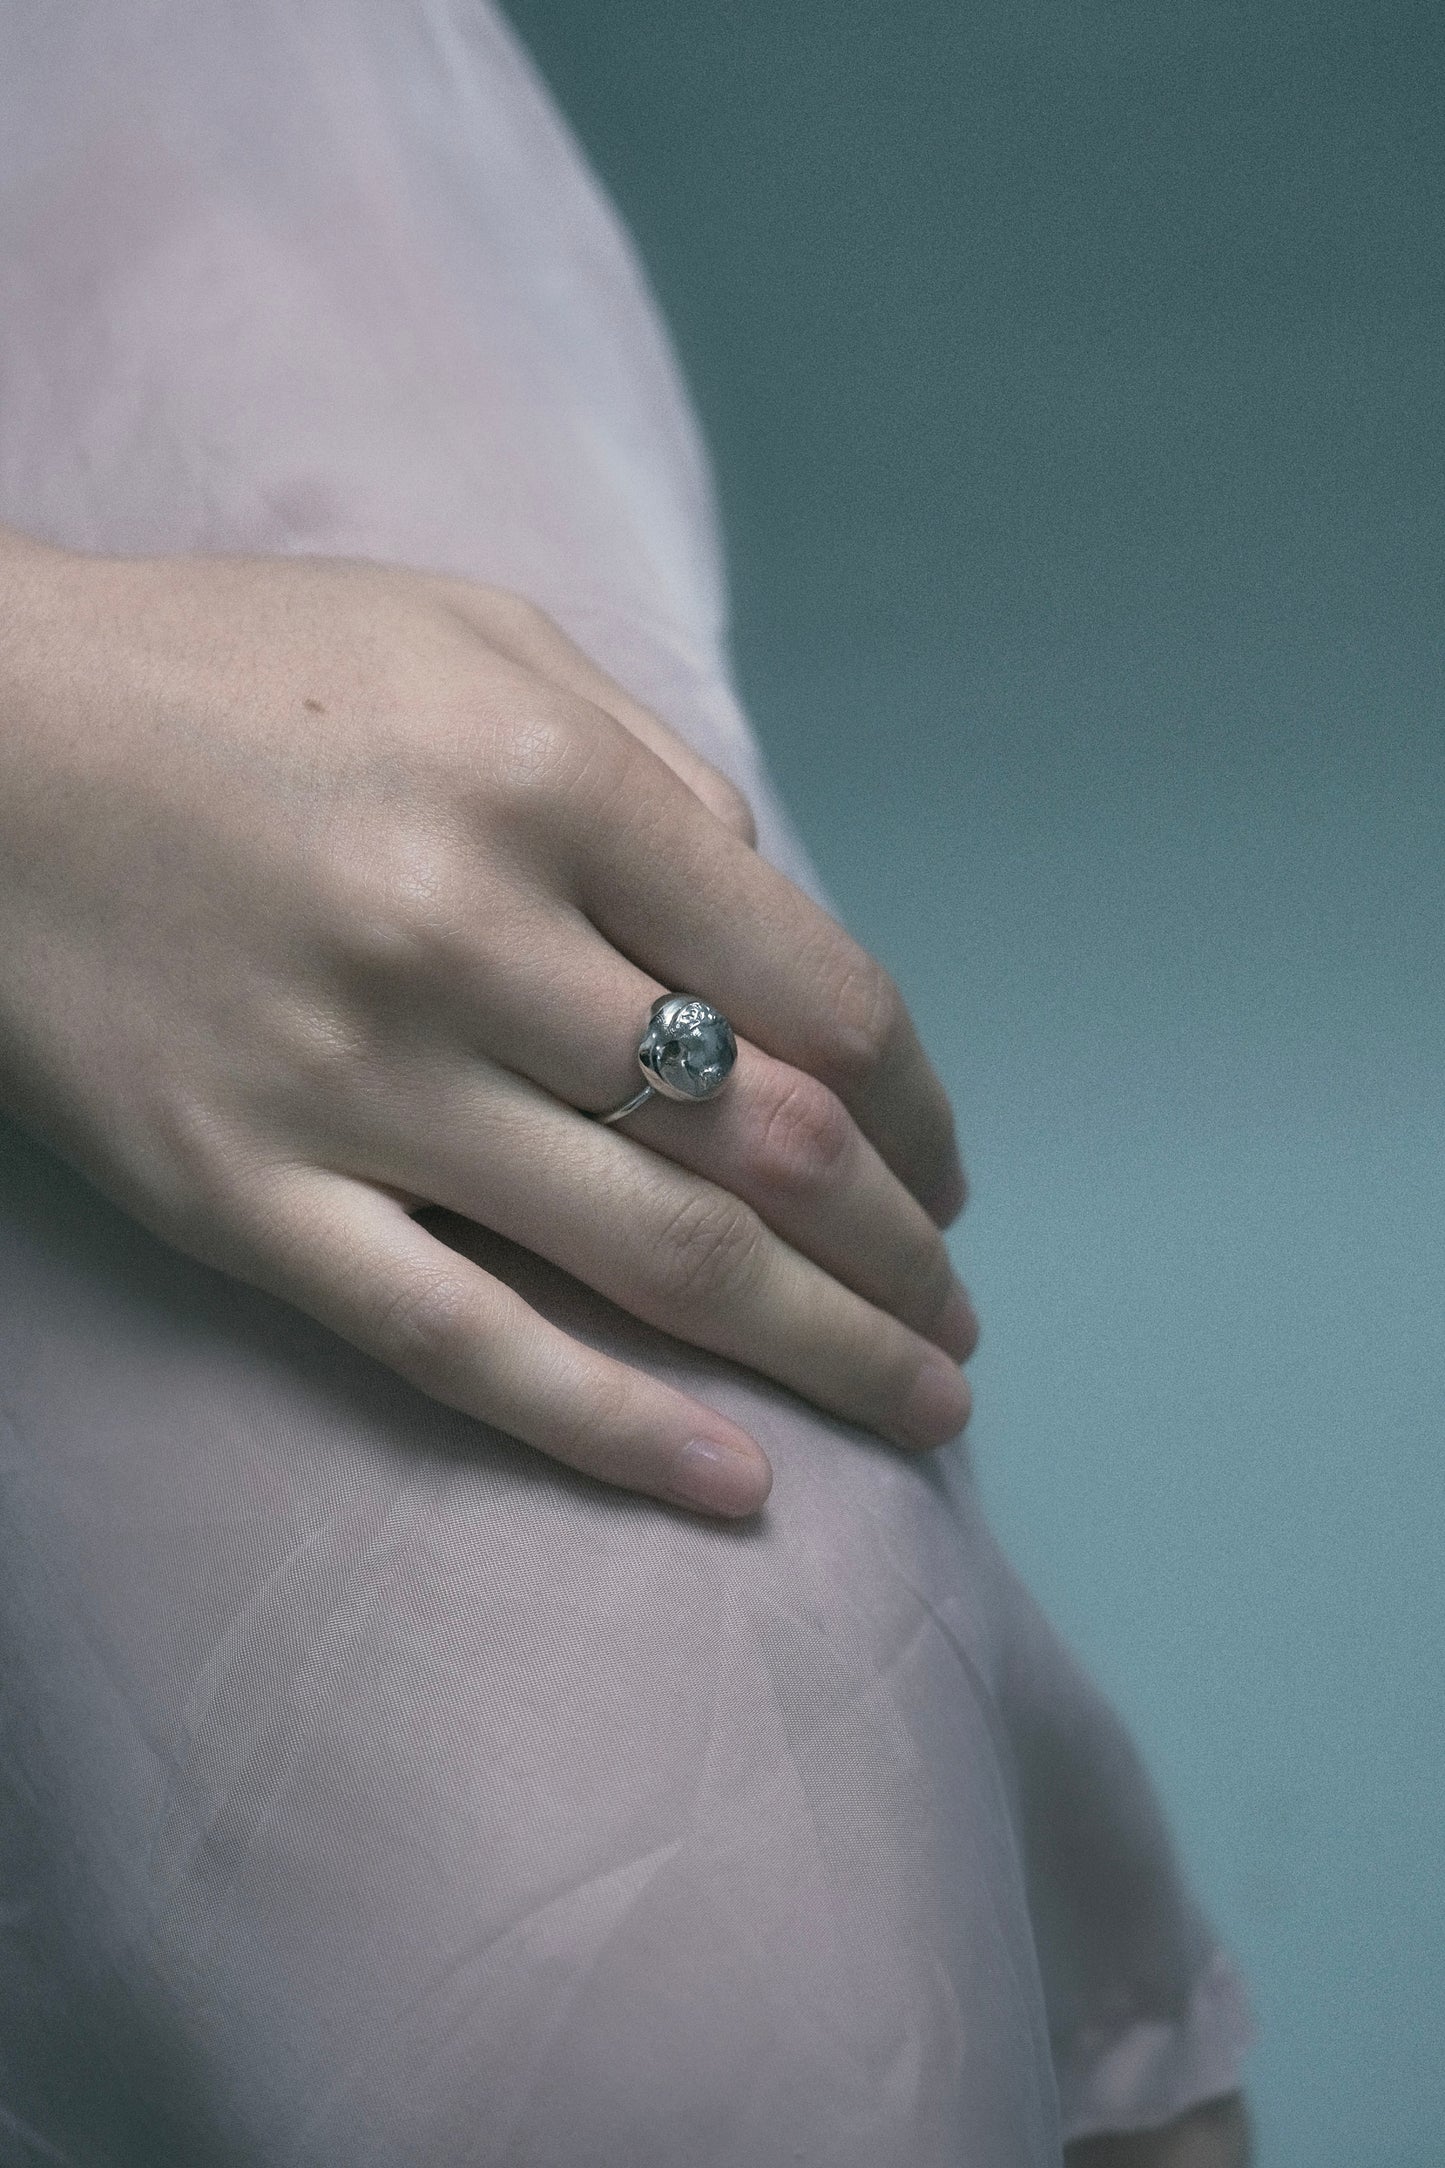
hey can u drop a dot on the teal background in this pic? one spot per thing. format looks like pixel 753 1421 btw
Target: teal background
pixel 1073 374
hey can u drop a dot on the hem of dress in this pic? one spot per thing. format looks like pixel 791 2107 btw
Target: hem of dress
pixel 1151 2071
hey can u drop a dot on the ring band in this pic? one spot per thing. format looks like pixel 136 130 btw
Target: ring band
pixel 686 1051
pixel 628 1106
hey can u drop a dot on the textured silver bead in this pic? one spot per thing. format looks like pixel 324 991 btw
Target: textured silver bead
pixel 688 1048
pixel 686 1052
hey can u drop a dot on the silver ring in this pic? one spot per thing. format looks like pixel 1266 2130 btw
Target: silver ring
pixel 686 1051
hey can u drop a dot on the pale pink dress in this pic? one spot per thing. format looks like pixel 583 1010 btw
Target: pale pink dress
pixel 373 1791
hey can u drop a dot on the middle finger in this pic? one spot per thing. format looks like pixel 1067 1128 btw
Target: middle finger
pixel 683 897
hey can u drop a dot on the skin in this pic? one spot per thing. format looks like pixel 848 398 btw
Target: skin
pixel 333 890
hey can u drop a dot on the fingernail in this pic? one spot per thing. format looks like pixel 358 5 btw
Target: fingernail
pixel 938 1406
pixel 721 1478
pixel 957 1329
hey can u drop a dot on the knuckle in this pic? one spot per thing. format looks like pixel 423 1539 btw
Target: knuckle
pixel 710 1249
pixel 192 1178
pixel 734 809
pixel 488 608
pixel 865 1015
pixel 397 909
pixel 553 754
pixel 508 608
pixel 426 1324
pixel 595 1432
pixel 804 1134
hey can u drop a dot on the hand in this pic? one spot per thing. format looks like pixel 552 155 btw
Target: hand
pixel 331 890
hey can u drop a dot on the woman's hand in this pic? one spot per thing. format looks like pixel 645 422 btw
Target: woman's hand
pixel 328 890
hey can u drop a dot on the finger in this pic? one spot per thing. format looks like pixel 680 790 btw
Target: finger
pixel 350 1256
pixel 667 1245
pixel 788 1146
pixel 692 906
pixel 528 636
pixel 775 1136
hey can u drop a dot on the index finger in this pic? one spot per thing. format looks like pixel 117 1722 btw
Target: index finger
pixel 687 901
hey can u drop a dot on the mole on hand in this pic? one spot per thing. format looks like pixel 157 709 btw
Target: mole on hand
pixel 314 705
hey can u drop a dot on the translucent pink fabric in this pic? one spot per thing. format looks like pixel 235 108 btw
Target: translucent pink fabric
pixel 372 1791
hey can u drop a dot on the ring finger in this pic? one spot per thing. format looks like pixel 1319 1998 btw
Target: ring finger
pixel 668 1245
pixel 775 1137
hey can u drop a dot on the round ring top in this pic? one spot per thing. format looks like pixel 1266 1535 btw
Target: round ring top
pixel 688 1048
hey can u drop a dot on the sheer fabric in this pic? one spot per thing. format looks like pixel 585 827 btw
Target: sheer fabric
pixel 373 1791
